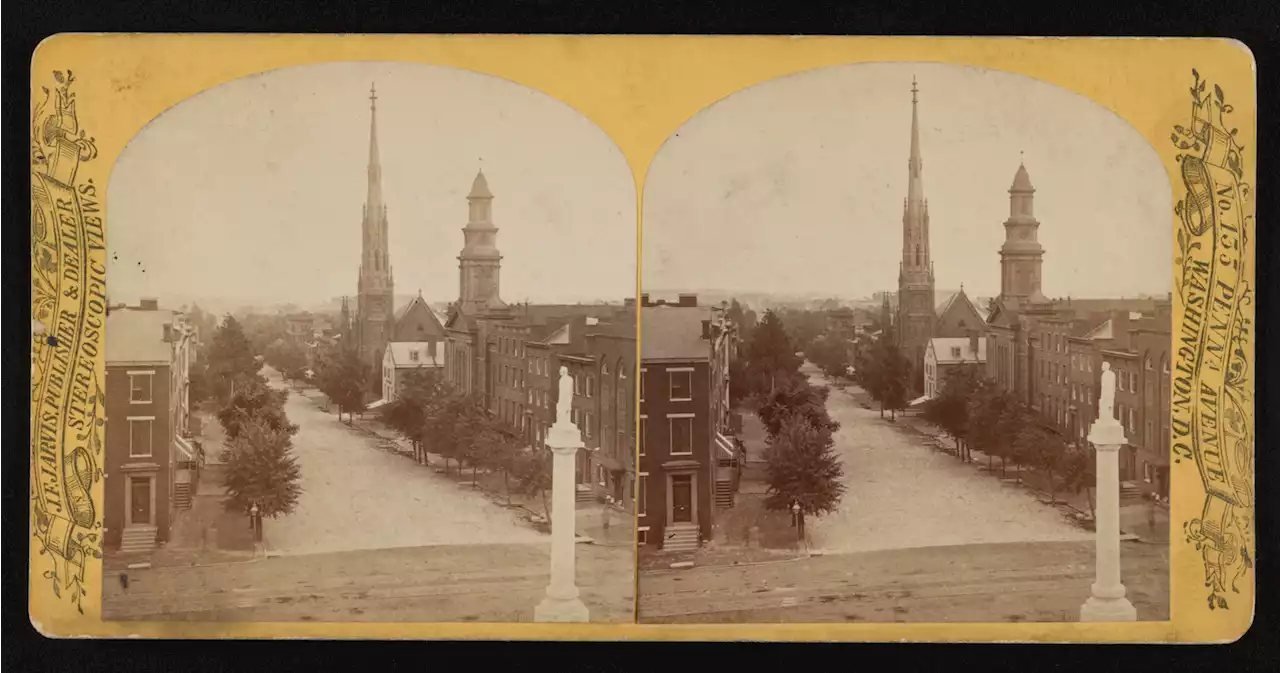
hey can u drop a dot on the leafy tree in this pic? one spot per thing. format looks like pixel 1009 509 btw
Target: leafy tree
pixel 803 327
pixel 407 413
pixel 803 468
pixel 742 316
pixel 1011 424
pixel 950 409
pixel 985 409
pixel 231 357
pixel 796 396
pixel 444 420
pixel 342 378
pixel 770 354
pixel 1045 449
pixel 892 372
pixel 254 401
pixel 288 358
pixel 261 469
pixel 199 387
pixel 830 355
pixel 531 469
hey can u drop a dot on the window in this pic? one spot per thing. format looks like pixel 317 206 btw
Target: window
pixel 1120 413
pixel 681 384
pixel 591 385
pixel 140 387
pixel 642 493
pixel 642 534
pixel 681 434
pixel 955 351
pixel 1149 439
pixel 1146 364
pixel 1133 382
pixel 1132 426
pixel 1120 380
pixel 644 422
pixel 586 424
pixel 1073 392
pixel 1147 471
pixel 1166 367
pixel 140 436
pixel 600 475
pixel 413 356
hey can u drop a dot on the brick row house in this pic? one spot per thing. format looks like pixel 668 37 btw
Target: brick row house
pixel 686 452
pixel 1049 353
pixel 151 466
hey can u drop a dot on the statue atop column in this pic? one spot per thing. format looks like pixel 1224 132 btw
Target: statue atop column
pixel 1107 395
pixel 565 402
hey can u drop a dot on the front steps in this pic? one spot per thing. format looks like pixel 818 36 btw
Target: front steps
pixel 138 540
pixel 724 494
pixel 680 537
pixel 182 495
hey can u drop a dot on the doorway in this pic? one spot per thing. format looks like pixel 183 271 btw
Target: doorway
pixel 140 506
pixel 681 498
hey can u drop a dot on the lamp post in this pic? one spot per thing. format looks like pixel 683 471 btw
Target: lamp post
pixel 256 522
pixel 561 603
pixel 1107 602
pixel 799 517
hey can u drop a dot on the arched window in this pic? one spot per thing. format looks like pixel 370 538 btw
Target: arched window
pixel 917 254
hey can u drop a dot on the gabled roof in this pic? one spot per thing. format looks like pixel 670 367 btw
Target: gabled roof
pixel 401 354
pixel 433 321
pixel 944 348
pixel 674 333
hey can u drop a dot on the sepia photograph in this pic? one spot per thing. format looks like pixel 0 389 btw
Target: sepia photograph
pixel 905 356
pixel 370 355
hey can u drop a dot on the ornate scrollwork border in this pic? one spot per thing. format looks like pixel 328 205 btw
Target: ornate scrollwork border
pixel 1212 396
pixel 68 310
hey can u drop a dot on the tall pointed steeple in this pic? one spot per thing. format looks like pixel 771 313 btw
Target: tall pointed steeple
pixel 917 317
pixel 374 199
pixel 915 165
pixel 374 308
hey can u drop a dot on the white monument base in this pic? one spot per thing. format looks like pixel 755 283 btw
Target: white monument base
pixel 1108 610
pixel 560 610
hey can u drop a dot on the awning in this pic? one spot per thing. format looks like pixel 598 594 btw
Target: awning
pixel 726 446
pixel 185 450
pixel 918 401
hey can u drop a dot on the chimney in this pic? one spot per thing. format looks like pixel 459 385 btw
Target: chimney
pixel 688 300
pixel 149 304
pixel 973 343
pixel 644 299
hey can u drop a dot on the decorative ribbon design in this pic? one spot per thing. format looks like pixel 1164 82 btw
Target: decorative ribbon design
pixel 1212 396
pixel 69 304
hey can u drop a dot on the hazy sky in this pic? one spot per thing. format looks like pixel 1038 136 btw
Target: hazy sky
pixel 797 185
pixel 253 190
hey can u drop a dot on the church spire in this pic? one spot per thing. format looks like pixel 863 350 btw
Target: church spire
pixel 374 200
pixel 915 186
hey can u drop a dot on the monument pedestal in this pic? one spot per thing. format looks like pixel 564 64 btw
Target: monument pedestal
pixel 561 603
pixel 1107 602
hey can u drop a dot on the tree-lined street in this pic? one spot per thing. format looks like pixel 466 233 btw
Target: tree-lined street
pixel 358 496
pixel 901 494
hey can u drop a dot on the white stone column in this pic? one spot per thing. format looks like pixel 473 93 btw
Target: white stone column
pixel 1107 602
pixel 561 603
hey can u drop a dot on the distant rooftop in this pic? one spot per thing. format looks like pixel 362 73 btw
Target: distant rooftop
pixel 674 333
